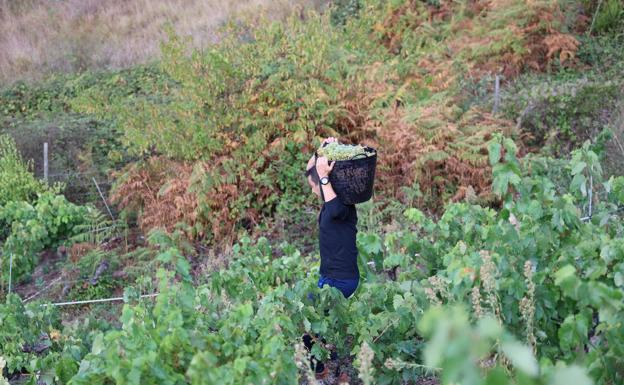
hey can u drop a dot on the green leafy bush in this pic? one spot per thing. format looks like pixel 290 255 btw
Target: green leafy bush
pixel 55 95
pixel 35 342
pixel 461 351
pixel 609 16
pixel 343 10
pixel 17 183
pixel 533 272
pixel 25 331
pixel 33 227
pixel 561 114
pixel 43 112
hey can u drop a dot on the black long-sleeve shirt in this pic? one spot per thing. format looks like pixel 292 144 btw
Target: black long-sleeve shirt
pixel 337 242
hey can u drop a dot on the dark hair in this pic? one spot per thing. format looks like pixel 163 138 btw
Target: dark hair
pixel 312 172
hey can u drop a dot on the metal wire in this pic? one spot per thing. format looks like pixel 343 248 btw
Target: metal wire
pixel 59 282
pixel 95 301
pixel 103 199
pixel 88 172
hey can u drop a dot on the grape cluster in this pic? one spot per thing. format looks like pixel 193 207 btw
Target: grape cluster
pixel 337 151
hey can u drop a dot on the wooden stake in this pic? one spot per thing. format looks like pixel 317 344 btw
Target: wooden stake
pixel 45 162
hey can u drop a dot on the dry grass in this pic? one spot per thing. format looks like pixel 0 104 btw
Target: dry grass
pixel 39 37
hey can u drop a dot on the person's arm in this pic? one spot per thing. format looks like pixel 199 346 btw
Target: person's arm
pixel 323 169
pixel 335 207
pixel 328 192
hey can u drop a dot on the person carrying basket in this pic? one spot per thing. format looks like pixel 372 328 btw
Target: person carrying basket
pixel 337 237
pixel 337 229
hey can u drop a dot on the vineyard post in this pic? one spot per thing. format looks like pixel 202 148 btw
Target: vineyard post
pixel 496 94
pixel 45 161
pixel 10 270
pixel 591 193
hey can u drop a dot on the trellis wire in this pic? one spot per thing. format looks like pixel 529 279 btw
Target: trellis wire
pixel 87 172
pixel 42 290
pixel 113 299
pixel 103 199
pixel 58 281
pixel 98 229
pixel 616 211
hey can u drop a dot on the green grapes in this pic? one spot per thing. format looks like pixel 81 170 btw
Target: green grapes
pixel 337 151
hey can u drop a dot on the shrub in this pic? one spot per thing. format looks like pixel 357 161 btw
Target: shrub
pixel 33 227
pixel 17 183
pixel 343 10
pixel 251 105
pixel 609 16
pixel 36 343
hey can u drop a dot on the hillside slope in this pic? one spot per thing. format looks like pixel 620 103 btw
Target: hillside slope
pixel 40 38
pixel 492 252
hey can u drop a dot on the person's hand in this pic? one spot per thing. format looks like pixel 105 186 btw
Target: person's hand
pixel 328 140
pixel 323 167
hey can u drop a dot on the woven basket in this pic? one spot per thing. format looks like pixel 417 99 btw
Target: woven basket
pixel 353 179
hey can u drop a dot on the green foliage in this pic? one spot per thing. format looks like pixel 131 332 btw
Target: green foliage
pixel 202 335
pixel 603 53
pixel 259 306
pixel 576 261
pixel 95 279
pixel 562 110
pixel 343 10
pixel 246 110
pixel 36 113
pixel 35 342
pixel 44 224
pixel 244 322
pixel 609 16
pixel 563 113
pixel 507 173
pixel 237 88
pixel 30 338
pixel 55 95
pixel 96 227
pixel 460 352
pixel 17 183
pixel 241 323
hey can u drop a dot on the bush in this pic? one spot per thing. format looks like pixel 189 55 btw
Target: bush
pixel 36 343
pixel 27 331
pixel 17 183
pixel 343 10
pixel 33 227
pixel 259 98
pixel 561 114
pixel 609 17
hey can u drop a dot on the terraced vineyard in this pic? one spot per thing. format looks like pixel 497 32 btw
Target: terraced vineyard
pixel 176 239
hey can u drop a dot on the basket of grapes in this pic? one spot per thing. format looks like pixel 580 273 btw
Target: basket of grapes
pixel 353 174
